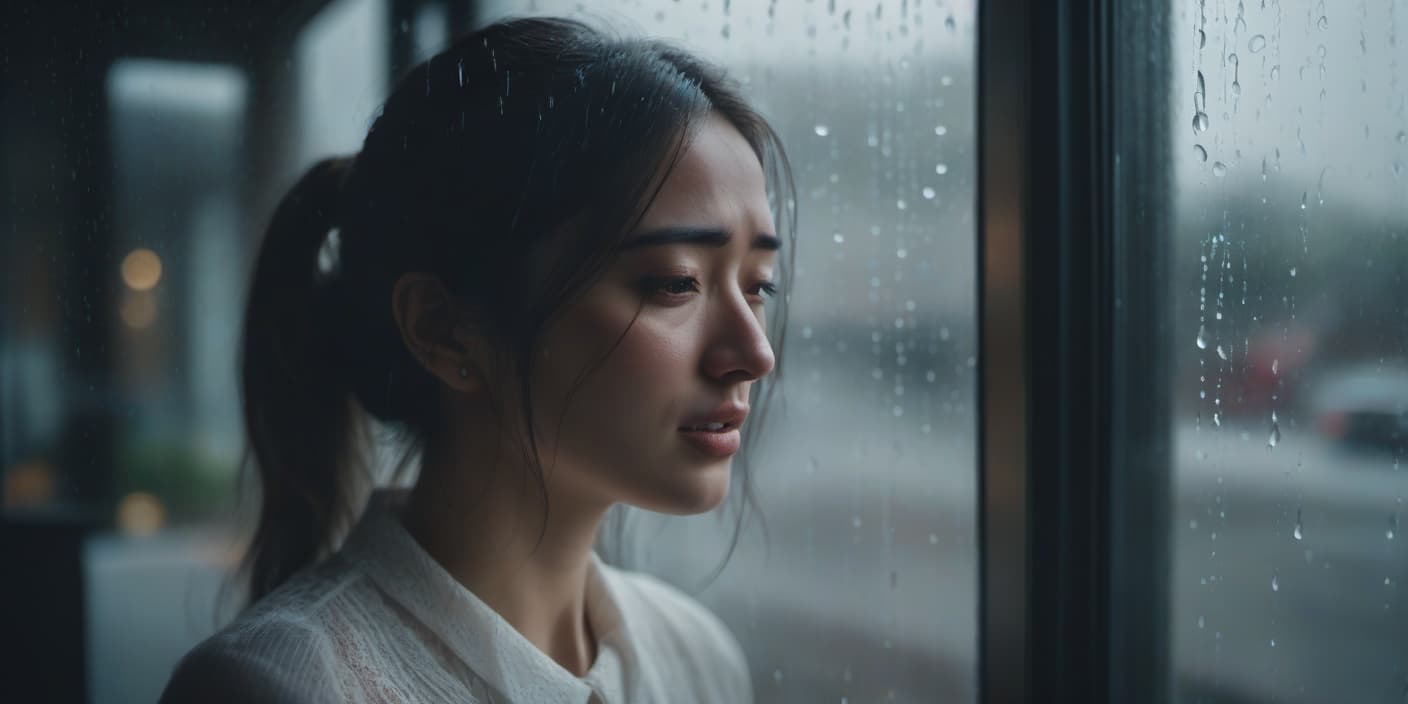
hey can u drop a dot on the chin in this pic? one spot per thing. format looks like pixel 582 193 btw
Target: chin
pixel 700 493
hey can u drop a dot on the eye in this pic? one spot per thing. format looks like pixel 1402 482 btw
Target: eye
pixel 671 286
pixel 767 288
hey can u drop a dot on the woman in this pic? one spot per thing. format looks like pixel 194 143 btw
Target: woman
pixel 547 267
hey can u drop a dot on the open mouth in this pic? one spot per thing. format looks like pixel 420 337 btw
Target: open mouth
pixel 708 428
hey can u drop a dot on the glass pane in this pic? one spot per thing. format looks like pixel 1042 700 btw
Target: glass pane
pixel 1290 351
pixel 863 585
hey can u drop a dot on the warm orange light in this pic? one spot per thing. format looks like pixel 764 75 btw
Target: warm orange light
pixel 138 309
pixel 140 513
pixel 29 484
pixel 141 269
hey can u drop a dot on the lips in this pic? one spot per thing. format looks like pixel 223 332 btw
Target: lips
pixel 720 420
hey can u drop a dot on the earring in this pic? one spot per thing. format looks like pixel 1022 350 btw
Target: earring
pixel 464 373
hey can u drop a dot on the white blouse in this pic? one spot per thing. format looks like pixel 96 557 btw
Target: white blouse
pixel 380 621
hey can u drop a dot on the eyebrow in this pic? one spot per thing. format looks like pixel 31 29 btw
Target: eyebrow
pixel 707 236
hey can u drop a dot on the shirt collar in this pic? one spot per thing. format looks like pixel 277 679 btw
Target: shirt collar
pixel 385 551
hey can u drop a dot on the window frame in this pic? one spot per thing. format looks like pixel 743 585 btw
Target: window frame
pixel 1073 477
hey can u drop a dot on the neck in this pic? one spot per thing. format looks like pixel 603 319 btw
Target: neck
pixel 483 526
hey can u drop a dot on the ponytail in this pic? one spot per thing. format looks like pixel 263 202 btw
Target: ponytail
pixel 302 426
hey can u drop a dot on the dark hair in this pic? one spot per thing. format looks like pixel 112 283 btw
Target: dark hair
pixel 478 155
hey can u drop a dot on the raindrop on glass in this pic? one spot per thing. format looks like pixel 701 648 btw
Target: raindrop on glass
pixel 1202 338
pixel 1236 89
pixel 950 24
pixel 1299 532
pixel 941 169
pixel 1200 152
pixel 1257 43
pixel 1392 526
pixel 1276 366
pixel 1275 583
pixel 1324 22
pixel 940 130
pixel 1201 622
pixel 1222 352
pixel 1200 122
pixel 928 193
pixel 1293 272
pixel 1232 59
pixel 822 130
pixel 1202 39
pixel 1219 169
pixel 1273 441
pixel 1217 419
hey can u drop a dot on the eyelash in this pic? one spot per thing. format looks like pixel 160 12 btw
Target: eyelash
pixel 767 288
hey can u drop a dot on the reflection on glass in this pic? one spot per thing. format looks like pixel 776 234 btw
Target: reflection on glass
pixel 1291 351
pixel 862 585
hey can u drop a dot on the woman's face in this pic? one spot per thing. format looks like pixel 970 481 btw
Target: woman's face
pixel 692 353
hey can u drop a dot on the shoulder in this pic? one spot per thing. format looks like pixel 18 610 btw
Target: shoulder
pixel 277 650
pixel 273 662
pixel 680 628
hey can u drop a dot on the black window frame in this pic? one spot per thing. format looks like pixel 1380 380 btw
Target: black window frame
pixel 1073 203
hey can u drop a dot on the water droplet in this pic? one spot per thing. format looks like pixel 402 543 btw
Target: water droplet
pixel 940 130
pixel 1275 73
pixel 928 193
pixel 1202 340
pixel 1303 198
pixel 1324 22
pixel 1202 39
pixel 1200 122
pixel 1392 526
pixel 1219 169
pixel 950 24
pixel 941 169
pixel 1257 43
pixel 1402 137
pixel 1293 272
pixel 838 238
pixel 1236 89
pixel 822 130
pixel 1222 352
pixel 1275 440
pixel 1202 84
pixel 1276 366
pixel 1217 419
pixel 1232 59
pixel 1299 532
pixel 1200 153
pixel 901 204
pixel 1275 583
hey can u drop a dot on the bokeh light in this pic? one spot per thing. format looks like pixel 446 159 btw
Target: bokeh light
pixel 141 269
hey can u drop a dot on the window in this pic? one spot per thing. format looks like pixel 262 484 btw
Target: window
pixel 1289 377
pixel 863 585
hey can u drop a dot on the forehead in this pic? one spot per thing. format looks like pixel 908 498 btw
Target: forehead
pixel 718 181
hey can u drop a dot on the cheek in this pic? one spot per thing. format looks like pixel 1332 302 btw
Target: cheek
pixel 647 374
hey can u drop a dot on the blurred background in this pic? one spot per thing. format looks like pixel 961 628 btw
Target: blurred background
pixel 145 144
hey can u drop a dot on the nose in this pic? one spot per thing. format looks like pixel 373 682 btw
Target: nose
pixel 738 347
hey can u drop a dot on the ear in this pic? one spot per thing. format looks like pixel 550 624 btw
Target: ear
pixel 435 328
